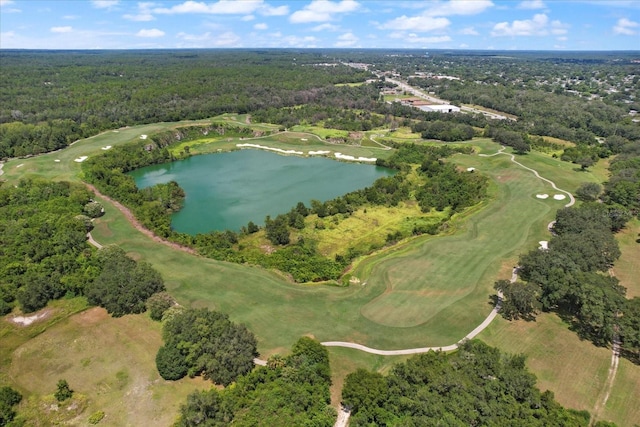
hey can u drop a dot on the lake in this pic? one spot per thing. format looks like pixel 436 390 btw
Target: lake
pixel 225 191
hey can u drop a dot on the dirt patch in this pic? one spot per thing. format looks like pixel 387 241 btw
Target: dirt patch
pixel 28 320
pixel 90 317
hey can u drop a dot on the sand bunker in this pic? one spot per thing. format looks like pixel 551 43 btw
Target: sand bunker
pixel 277 150
pixel 544 245
pixel 354 159
pixel 317 153
pixel 20 165
pixel 303 139
pixel 559 197
pixel 81 159
pixel 470 169
pixel 57 160
pixel 106 148
pixel 27 320
pixel 143 136
pixel 542 196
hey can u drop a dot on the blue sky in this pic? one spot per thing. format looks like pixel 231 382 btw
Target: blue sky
pixel 444 24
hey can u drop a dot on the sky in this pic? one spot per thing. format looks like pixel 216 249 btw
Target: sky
pixel 428 24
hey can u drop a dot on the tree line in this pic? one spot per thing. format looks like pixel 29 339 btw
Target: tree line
pixel 571 277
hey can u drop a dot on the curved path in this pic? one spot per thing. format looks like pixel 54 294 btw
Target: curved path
pixel 486 321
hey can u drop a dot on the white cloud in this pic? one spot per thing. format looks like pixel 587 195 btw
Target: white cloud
pixel 463 46
pixel 347 40
pixel 152 33
pixel 222 7
pixel 5 9
pixel 227 39
pixel 7 35
pixel 413 38
pixel 469 31
pixel 261 26
pixel 141 17
pixel 248 18
pixel 325 27
pixel 66 29
pixel 323 10
pixel 539 25
pixel 193 37
pixel 459 7
pixel 532 4
pixel 274 11
pixel 625 27
pixel 416 23
pixel 104 4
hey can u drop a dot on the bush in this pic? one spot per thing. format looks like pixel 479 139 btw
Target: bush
pixel 96 417
pixel 158 303
pixel 93 209
pixel 64 392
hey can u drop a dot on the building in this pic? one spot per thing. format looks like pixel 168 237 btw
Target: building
pixel 440 108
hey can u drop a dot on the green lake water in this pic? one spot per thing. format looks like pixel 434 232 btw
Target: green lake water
pixel 225 191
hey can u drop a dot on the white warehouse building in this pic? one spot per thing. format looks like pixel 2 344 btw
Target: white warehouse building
pixel 440 108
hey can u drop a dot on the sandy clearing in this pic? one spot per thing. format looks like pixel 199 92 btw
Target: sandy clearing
pixel 262 147
pixel 27 320
pixel 320 152
pixel 542 196
pixel 354 159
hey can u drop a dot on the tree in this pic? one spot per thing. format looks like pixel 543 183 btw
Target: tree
pixel 8 399
pixel 207 343
pixel 63 391
pixel 364 391
pixel 520 300
pixel 589 191
pixel 158 303
pixel 171 363
pixel 123 285
pixel 585 162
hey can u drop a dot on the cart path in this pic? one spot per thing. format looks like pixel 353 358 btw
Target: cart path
pixel 608 385
pixel 481 327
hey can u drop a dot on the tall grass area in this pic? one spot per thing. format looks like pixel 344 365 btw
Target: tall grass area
pixel 573 369
pixel 110 365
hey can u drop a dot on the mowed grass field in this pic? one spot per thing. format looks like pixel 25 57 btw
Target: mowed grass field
pixel 575 370
pixel 428 292
pixel 627 268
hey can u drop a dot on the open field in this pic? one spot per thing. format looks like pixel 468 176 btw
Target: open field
pixel 429 292
pixel 627 268
pixel 103 359
pixel 573 369
pixel 491 110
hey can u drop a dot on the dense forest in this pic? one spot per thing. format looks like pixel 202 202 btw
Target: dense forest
pixel 50 99
pixel 44 253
